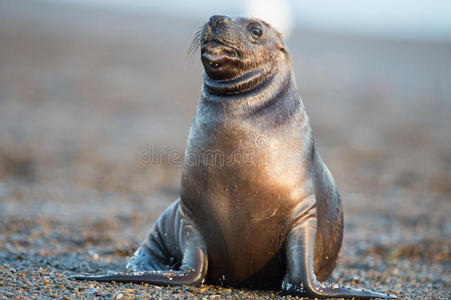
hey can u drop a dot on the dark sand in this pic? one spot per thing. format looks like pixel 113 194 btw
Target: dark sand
pixel 84 94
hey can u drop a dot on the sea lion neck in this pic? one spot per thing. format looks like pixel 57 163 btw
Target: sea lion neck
pixel 253 89
pixel 245 82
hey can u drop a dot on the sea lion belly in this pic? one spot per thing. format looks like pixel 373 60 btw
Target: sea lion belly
pixel 240 189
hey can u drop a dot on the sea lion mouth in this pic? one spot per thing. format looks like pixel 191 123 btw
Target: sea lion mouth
pixel 215 55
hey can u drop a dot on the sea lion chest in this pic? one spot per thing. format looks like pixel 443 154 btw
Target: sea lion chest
pixel 241 182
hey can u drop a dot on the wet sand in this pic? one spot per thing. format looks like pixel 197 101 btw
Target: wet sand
pixel 86 94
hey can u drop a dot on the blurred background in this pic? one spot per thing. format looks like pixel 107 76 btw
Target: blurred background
pixel 86 86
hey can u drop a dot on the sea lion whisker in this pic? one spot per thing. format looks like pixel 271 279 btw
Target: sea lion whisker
pixel 195 43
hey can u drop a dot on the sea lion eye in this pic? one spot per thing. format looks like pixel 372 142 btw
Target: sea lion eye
pixel 256 30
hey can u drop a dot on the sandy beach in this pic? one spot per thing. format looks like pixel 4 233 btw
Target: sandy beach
pixel 84 93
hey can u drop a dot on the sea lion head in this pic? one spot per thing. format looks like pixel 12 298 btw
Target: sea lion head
pixel 238 54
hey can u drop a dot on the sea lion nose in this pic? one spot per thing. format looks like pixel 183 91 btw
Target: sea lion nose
pixel 217 20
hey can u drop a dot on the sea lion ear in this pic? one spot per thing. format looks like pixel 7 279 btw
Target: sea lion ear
pixel 281 47
pixel 280 44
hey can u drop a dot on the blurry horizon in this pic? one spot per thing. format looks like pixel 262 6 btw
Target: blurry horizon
pixel 419 20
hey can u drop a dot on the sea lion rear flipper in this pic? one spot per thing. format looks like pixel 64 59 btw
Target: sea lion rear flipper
pixel 192 274
pixel 300 279
pixel 192 271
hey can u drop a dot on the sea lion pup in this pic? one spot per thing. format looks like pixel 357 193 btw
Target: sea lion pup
pixel 258 208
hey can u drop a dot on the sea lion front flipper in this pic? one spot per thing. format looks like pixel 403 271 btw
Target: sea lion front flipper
pixel 192 271
pixel 300 279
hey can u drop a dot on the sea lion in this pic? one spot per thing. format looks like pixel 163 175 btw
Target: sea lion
pixel 258 207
